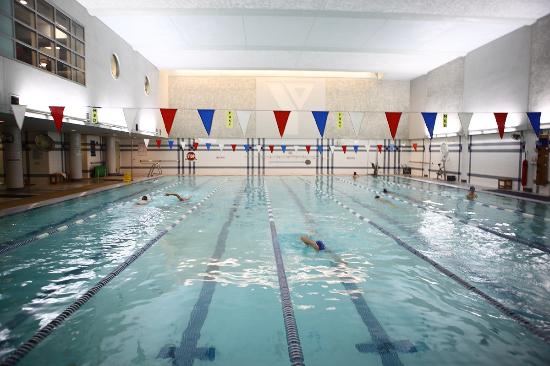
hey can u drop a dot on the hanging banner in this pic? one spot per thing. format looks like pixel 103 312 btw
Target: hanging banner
pixel 429 120
pixel 207 115
pixel 344 148
pixel 130 116
pixel 465 118
pixel 308 148
pixel 146 142
pixel 331 147
pixel 19 114
pixel 340 120
pixel 208 146
pixel 220 146
pixel 229 119
pixel 414 145
pixel 356 148
pixel 393 122
pixel 195 145
pixel 158 141
pixel 168 115
pixel 445 120
pixel 320 149
pixel 321 120
pixel 379 146
pixel 233 146
pixel 243 117
pixel 356 119
pixel 501 122
pixel 271 147
pixel 282 118
pixel 170 144
pixel 57 114
pixel 534 118
pixel 283 148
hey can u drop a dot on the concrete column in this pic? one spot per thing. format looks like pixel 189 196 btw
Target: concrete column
pixel 13 160
pixel 111 155
pixel 75 156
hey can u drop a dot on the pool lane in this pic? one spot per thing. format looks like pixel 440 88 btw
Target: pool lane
pixel 17 355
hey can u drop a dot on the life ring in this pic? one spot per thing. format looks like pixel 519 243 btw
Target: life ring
pixel 191 156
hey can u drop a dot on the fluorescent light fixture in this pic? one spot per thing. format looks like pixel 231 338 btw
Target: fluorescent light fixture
pixel 280 73
pixel 24 2
pixel 43 64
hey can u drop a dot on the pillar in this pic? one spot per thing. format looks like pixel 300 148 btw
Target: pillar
pixel 75 156
pixel 111 155
pixel 13 160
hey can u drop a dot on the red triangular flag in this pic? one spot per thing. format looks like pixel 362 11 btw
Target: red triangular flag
pixel 379 148
pixel 233 146
pixel 308 147
pixel 271 147
pixel 158 143
pixel 282 118
pixel 501 121
pixel 57 114
pixel 344 148
pixel 393 121
pixel 415 145
pixel 168 115
pixel 195 145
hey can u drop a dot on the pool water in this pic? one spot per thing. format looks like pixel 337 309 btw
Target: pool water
pixel 207 291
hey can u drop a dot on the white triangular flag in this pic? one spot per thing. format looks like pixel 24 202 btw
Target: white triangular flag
pixel 146 142
pixel 19 113
pixel 258 147
pixel 356 119
pixel 332 148
pixel 367 147
pixel 243 117
pixel 296 147
pixel 465 119
pixel 130 115
pixel 220 146
pixel 182 144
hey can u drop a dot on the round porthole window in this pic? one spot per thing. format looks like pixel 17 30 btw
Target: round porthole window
pixel 147 85
pixel 115 66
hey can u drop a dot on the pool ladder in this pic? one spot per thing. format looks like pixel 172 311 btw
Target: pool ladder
pixel 155 167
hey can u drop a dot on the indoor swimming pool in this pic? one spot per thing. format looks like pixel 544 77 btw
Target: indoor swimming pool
pixel 418 276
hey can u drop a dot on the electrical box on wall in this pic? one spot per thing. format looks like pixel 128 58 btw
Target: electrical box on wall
pixel 541 178
pixel 15 100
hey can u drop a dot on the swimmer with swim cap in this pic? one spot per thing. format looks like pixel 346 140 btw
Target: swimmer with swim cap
pixel 180 198
pixel 471 194
pixel 143 201
pixel 317 245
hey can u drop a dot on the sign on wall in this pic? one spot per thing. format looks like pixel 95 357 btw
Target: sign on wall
pixel 229 119
pixel 445 120
pixel 94 116
pixel 340 120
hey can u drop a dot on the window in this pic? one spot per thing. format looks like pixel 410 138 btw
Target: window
pixel 147 85
pixel 48 39
pixel 115 66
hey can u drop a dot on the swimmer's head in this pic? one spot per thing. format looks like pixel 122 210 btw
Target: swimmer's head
pixel 377 196
pixel 385 190
pixel 144 198
pixel 354 173
pixel 472 189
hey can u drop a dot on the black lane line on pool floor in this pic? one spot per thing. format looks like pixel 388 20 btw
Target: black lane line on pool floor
pixel 295 352
pixel 185 354
pixel 516 211
pixel 420 205
pixel 14 357
pixel 23 315
pixel 386 349
pixel 498 305
pixel 73 220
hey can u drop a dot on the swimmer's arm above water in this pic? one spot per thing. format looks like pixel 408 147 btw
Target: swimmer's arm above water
pixel 183 199
pixel 307 241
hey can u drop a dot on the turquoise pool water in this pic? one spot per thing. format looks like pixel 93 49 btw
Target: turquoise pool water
pixel 208 290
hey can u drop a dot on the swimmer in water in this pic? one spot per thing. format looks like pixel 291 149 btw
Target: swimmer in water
pixel 143 201
pixel 472 195
pixel 180 198
pixel 383 199
pixel 355 175
pixel 317 245
pixel 385 191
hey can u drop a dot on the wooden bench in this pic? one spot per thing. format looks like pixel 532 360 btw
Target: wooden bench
pixel 505 183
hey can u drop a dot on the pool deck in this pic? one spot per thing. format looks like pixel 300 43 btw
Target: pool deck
pixel 14 201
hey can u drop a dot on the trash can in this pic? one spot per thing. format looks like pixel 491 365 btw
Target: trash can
pixel 100 171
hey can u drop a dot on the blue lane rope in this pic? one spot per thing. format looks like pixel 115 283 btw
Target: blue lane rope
pixel 498 305
pixel 16 356
pixel 73 220
pixel 291 328
pixel 532 244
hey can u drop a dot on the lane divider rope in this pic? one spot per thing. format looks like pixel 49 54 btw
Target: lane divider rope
pixel 492 301
pixel 291 328
pixel 46 330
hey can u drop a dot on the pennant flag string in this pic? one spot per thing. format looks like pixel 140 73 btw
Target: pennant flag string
pixel 379 146
pixel 393 122
pixel 19 113
pixel 271 147
pixel 344 148
pixel 282 118
pixel 233 146
pixel 243 117
pixel 57 114
pixel 170 144
pixel 208 146
pixel 146 142
pixel 465 119
pixel 501 122
pixel 283 148
pixel 207 115
pixel 429 120
pixel 321 121
pixel 356 148
pixel 158 143
pixel 308 148
pixel 534 118
pixel 168 115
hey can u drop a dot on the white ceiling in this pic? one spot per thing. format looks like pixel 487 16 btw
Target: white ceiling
pixel 400 38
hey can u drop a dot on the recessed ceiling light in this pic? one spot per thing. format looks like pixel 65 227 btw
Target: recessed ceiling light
pixel 1 121
pixel 43 64
pixel 24 2
pixel 73 130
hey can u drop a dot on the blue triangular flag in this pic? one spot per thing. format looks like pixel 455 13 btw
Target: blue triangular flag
pixel 283 147
pixel 320 149
pixel 356 148
pixel 207 115
pixel 246 147
pixel 321 120
pixel 534 118
pixel 208 145
pixel 429 120
pixel 171 144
